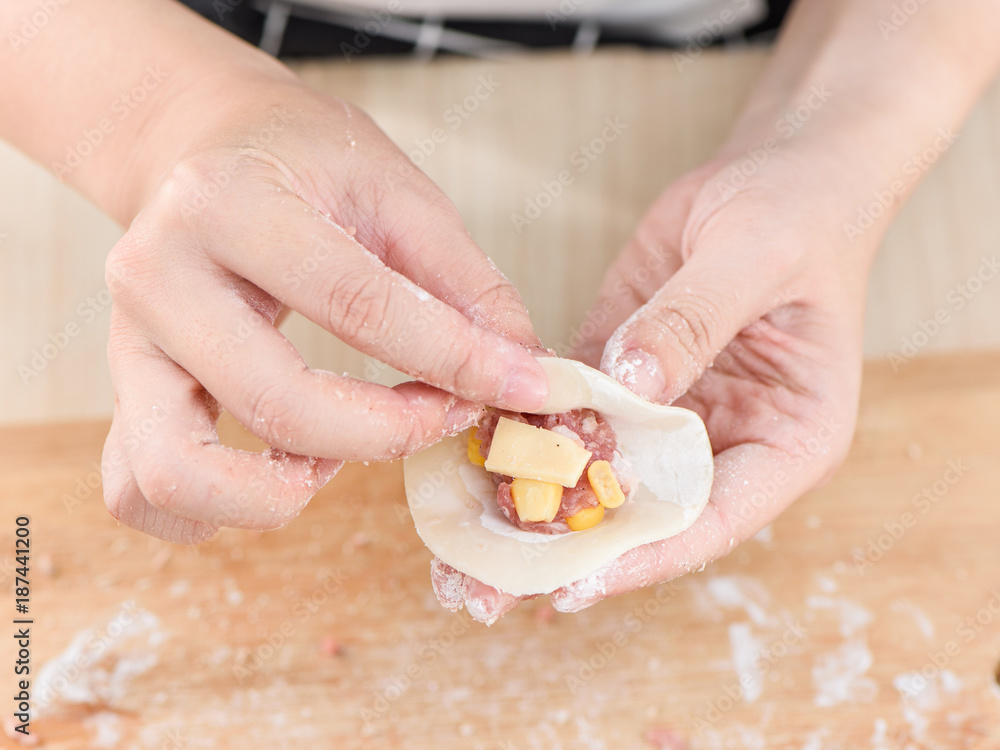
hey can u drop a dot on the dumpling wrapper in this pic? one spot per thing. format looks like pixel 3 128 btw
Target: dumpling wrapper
pixel 454 505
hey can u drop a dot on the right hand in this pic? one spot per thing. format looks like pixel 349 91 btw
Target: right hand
pixel 305 205
pixel 747 309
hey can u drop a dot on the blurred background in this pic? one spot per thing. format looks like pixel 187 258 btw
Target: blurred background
pixel 673 75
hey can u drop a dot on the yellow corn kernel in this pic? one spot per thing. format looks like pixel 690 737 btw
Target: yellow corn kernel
pixel 605 484
pixel 536 501
pixel 586 518
pixel 473 449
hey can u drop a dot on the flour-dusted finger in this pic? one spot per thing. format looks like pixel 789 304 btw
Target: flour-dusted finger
pixel 304 259
pixel 219 328
pixel 167 424
pixel 126 503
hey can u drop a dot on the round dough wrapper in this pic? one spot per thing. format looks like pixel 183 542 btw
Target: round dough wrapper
pixel 454 507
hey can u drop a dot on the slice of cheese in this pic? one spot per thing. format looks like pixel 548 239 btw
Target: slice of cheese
pixel 525 452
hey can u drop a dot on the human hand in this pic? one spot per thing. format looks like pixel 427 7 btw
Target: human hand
pixel 742 299
pixel 746 308
pixel 288 198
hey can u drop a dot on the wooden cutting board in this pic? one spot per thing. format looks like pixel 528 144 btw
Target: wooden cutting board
pixel 326 633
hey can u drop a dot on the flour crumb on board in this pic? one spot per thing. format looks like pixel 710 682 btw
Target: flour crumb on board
pixel 851 615
pixel 736 592
pixel 179 588
pixel 748 640
pixel 878 738
pixel 826 584
pixel 233 594
pixel 919 694
pixel 746 650
pixel 814 740
pixel 98 666
pixel 923 622
pixel 588 736
pixel 765 536
pixel 105 728
pixel 734 736
pixel 841 675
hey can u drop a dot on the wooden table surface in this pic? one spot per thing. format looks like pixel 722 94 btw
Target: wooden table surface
pixel 327 634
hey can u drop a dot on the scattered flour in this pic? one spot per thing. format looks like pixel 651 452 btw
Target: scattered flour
pixel 839 676
pixel 852 616
pixel 919 616
pixel 99 664
pixel 878 738
pixel 747 640
pixel 179 588
pixel 918 695
pixel 106 729
pixel 233 594
pixel 742 592
pixel 827 584
pixel 735 736
pixel 814 740
pixel 746 648
pixel 765 536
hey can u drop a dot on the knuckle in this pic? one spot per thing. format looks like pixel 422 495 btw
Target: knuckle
pixel 197 193
pixel 631 291
pixel 120 504
pixel 186 195
pixel 760 214
pixel 162 481
pixel 500 308
pixel 357 305
pixel 408 430
pixel 453 361
pixel 128 270
pixel 406 437
pixel 691 324
pixel 278 416
pixel 185 179
pixel 463 366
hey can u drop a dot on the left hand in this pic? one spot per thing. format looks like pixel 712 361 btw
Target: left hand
pixel 746 307
pixel 748 301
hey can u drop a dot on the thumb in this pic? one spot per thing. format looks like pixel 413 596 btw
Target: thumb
pixel 666 345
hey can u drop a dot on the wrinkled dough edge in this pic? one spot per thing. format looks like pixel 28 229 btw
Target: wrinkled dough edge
pixel 454 507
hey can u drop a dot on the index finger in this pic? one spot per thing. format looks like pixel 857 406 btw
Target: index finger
pixel 309 263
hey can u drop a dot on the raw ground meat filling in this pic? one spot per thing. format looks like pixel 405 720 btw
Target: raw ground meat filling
pixel 584 426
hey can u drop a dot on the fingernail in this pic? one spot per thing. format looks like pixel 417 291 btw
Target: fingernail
pixel 525 389
pixel 640 372
pixel 326 469
pixel 462 416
